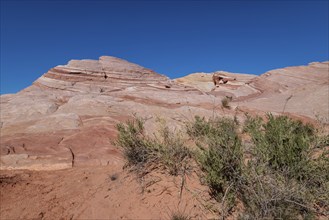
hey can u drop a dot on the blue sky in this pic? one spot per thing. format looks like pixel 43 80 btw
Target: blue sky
pixel 174 38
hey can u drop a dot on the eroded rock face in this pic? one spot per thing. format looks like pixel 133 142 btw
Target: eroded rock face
pixel 300 90
pixel 68 116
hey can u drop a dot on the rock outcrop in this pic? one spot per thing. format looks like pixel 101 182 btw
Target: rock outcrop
pixel 300 90
pixel 68 116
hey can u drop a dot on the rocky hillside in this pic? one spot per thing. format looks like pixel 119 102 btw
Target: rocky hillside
pixel 73 109
pixel 68 117
pixel 301 90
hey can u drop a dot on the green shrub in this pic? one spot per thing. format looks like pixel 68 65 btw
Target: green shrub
pixel 167 149
pixel 253 126
pixel 282 154
pixel 281 142
pixel 211 128
pixel 174 155
pixel 137 148
pixel 283 178
pixel 315 175
pixel 280 181
pixel 220 154
pixel 198 128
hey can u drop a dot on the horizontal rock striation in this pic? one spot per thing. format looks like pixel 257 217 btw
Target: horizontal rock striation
pixel 107 73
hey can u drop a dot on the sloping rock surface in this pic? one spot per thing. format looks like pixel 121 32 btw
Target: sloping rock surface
pixel 68 116
pixel 300 90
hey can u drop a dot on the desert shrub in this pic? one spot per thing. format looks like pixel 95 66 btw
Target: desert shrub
pixel 220 129
pixel 220 155
pixel 137 148
pixel 315 175
pixel 322 141
pixel 167 149
pixel 282 160
pixel 281 143
pixel 281 180
pixel 198 128
pixel 226 102
pixel 253 126
pixel 268 194
pixel 179 216
pixel 174 155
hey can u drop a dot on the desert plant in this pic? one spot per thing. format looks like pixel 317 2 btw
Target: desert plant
pixel 226 102
pixel 174 155
pixel 282 152
pixel 315 175
pixel 281 142
pixel 179 216
pixel 167 149
pixel 281 179
pixel 198 128
pixel 267 194
pixel 222 129
pixel 137 148
pixel 220 155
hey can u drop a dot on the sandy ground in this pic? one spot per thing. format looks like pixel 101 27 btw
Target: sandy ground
pixel 100 193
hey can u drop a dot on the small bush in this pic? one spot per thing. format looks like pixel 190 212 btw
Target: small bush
pixel 137 148
pixel 226 102
pixel 281 179
pixel 270 195
pixel 167 150
pixel 283 164
pixel 198 128
pixel 174 154
pixel 220 155
pixel 220 129
pixel 179 216
pixel 281 142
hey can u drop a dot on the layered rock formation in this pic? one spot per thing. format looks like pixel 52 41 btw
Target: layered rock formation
pixel 68 116
pixel 67 119
pixel 300 90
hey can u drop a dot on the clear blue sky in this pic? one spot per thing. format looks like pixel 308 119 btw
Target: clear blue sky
pixel 174 38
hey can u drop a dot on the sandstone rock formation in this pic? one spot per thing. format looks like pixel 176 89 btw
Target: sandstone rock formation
pixel 218 78
pixel 67 118
pixel 301 90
